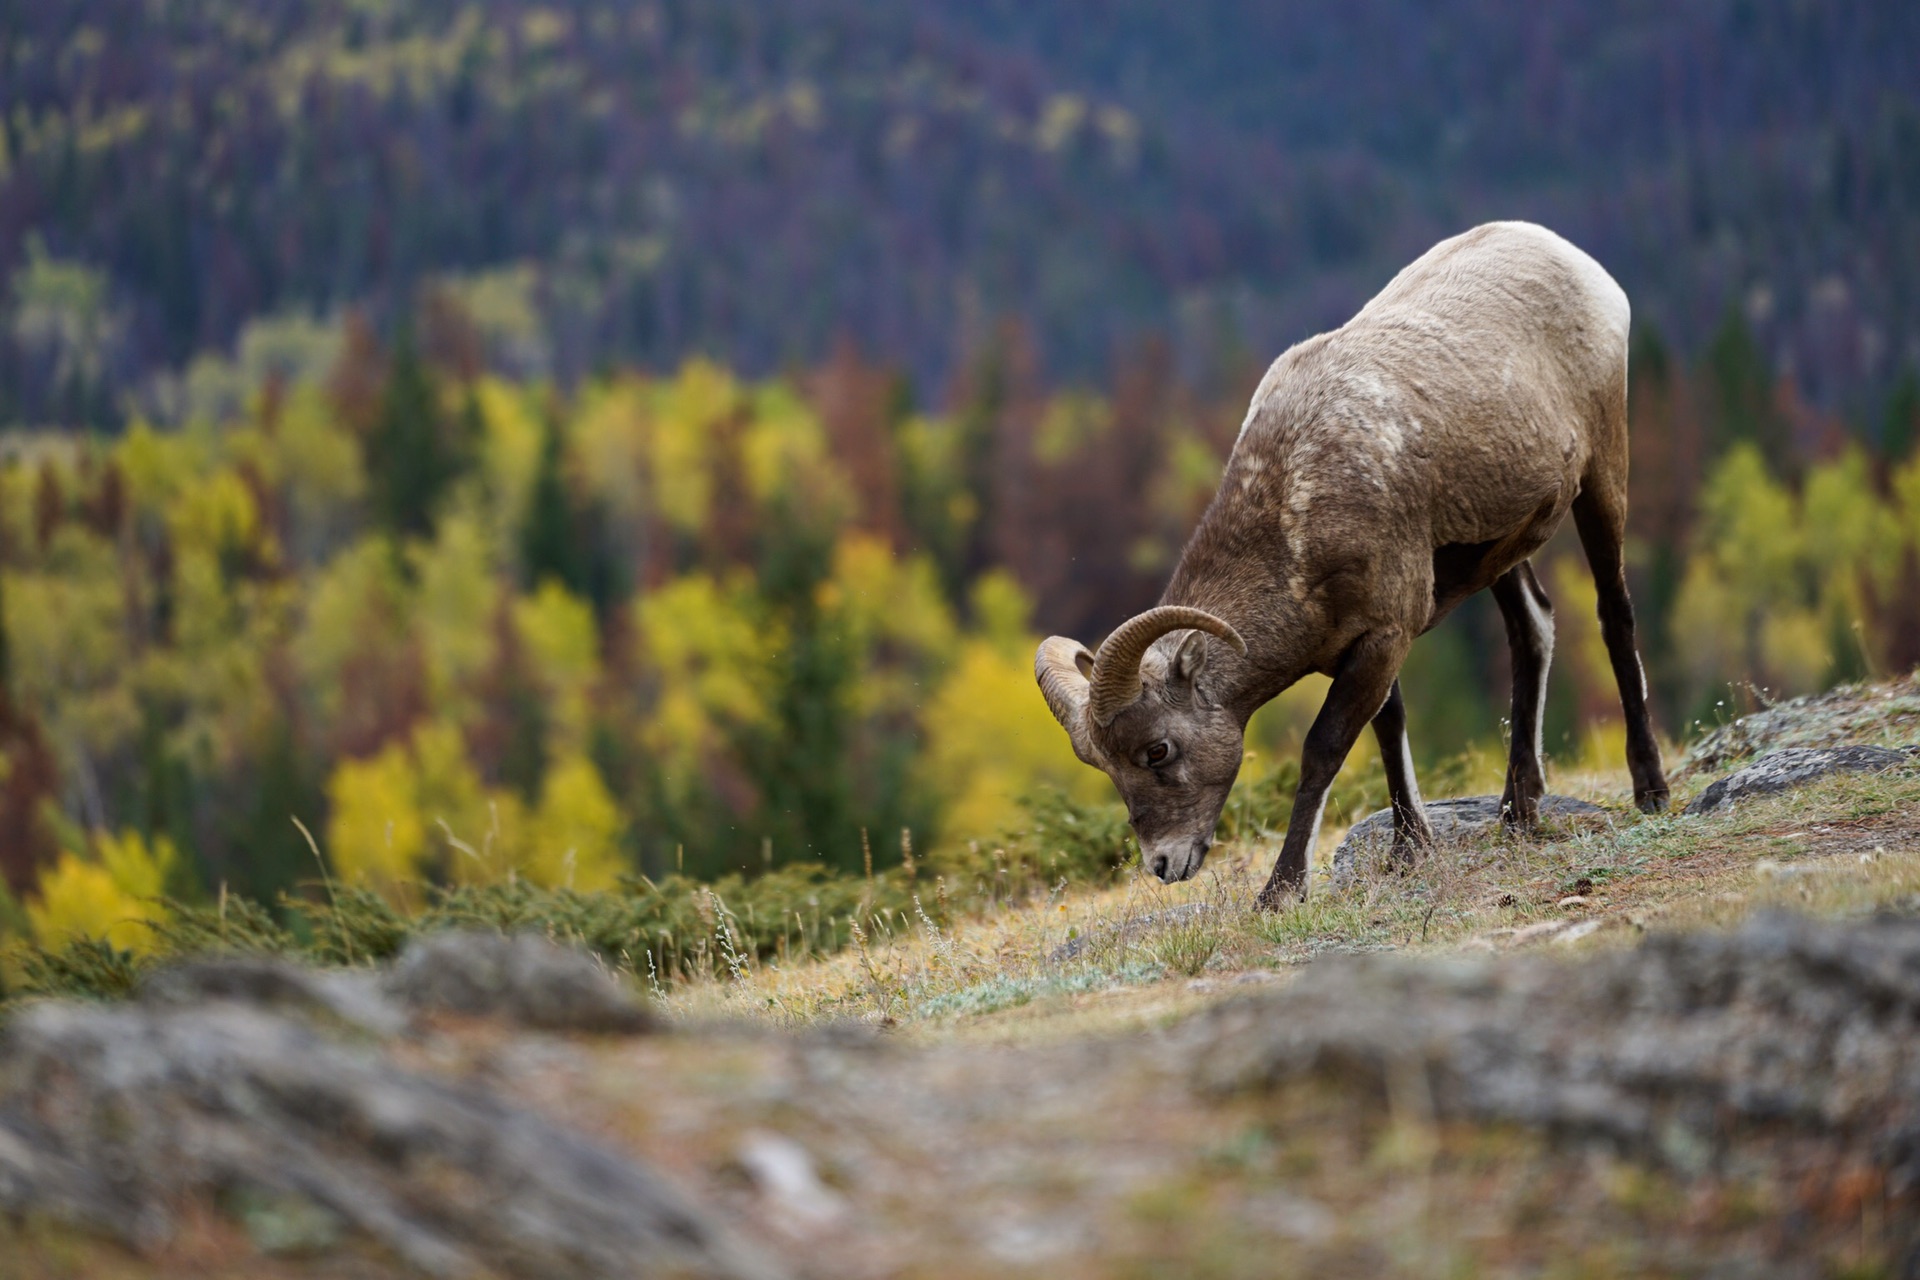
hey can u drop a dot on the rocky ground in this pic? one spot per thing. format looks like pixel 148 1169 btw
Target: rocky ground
pixel 1682 1046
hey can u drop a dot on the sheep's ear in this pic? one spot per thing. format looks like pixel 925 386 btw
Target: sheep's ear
pixel 1190 661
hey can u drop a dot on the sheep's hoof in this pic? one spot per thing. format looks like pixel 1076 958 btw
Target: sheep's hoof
pixel 1407 850
pixel 1520 816
pixel 1280 897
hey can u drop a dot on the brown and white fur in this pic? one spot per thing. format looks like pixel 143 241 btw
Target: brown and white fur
pixel 1385 472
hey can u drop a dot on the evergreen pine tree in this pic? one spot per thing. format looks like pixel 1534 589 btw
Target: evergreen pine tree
pixel 801 759
pixel 413 454
pixel 1743 387
pixel 1648 362
pixel 163 790
pixel 1901 424
pixel 550 540
pixel 268 853
pixel 508 740
pixel 6 653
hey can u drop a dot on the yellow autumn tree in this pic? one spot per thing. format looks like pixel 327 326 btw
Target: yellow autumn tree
pixel 573 838
pixel 887 605
pixel 456 588
pixel 687 412
pixel 457 813
pixel 1775 587
pixel 318 459
pixel 112 896
pixel 786 458
pixel 376 834
pixel 608 436
pixel 710 652
pixel 510 442
pixel 563 649
pixel 355 597
pixel 990 739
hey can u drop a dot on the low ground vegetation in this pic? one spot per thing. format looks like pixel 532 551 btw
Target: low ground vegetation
pixel 1051 906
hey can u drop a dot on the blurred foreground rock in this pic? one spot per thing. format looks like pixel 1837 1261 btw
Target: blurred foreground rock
pixel 1786 1027
pixel 522 977
pixel 1794 767
pixel 266 1085
pixel 1453 821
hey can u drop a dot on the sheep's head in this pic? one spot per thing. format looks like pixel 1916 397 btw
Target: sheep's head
pixel 1149 718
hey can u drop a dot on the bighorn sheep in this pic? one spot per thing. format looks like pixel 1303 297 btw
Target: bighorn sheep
pixel 1385 472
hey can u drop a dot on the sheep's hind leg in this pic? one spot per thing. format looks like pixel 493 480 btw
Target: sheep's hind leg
pixel 1529 617
pixel 1411 834
pixel 1602 524
pixel 1360 688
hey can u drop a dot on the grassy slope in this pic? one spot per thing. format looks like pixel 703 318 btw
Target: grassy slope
pixel 1833 846
pixel 1021 1117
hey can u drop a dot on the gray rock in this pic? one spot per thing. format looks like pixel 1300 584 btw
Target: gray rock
pixel 1126 931
pixel 348 996
pixel 109 1115
pixel 1788 1027
pixel 1793 767
pixel 523 977
pixel 1836 718
pixel 1453 821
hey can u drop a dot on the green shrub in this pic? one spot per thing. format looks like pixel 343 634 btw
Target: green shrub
pixel 666 929
pixel 86 968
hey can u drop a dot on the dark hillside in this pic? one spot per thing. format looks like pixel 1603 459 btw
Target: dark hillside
pixel 1739 151
pixel 751 181
pixel 733 179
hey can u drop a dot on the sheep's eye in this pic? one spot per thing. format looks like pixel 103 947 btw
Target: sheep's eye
pixel 1158 753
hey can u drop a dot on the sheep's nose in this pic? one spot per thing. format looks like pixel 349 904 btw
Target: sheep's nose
pixel 1159 865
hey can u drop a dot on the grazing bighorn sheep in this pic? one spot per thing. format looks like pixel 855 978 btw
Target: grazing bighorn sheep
pixel 1385 472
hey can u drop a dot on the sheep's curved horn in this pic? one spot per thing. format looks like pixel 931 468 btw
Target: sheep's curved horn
pixel 1116 668
pixel 1061 667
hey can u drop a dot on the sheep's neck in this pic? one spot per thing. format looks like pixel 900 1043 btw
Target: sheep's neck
pixel 1257 598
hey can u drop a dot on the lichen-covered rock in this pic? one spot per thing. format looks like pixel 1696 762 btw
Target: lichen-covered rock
pixel 523 977
pixel 1453 821
pixel 111 1115
pixel 1794 767
pixel 1838 717
pixel 1788 1025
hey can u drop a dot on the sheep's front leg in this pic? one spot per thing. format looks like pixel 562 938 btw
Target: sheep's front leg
pixel 1411 834
pixel 1360 688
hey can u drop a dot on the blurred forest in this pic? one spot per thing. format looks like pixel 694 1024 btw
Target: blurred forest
pixel 580 440
pixel 461 624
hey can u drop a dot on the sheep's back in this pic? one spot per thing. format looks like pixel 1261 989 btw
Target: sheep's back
pixel 1462 398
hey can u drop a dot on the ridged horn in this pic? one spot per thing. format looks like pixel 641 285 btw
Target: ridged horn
pixel 1061 666
pixel 1116 668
